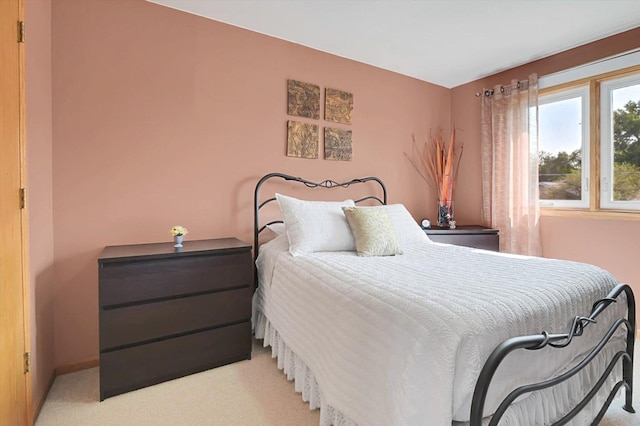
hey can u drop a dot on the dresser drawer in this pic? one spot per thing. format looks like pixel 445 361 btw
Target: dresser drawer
pixel 144 365
pixel 150 321
pixel 130 282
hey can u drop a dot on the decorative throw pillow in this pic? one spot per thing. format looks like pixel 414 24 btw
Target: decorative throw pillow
pixel 316 225
pixel 373 231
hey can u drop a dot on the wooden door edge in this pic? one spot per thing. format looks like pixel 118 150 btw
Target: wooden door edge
pixel 24 221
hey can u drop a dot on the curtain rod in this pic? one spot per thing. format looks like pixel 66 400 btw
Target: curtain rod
pixel 522 84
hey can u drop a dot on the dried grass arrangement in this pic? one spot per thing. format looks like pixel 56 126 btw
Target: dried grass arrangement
pixel 438 163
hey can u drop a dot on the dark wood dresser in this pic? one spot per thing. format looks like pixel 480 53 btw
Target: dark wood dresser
pixel 168 312
pixel 475 236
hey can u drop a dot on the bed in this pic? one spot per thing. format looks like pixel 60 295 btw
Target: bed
pixel 436 334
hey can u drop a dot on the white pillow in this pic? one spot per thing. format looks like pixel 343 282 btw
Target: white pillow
pixel 407 229
pixel 277 228
pixel 316 225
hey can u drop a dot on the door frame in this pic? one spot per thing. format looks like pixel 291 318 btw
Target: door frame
pixel 11 195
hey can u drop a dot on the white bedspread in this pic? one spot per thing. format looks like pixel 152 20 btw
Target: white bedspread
pixel 398 340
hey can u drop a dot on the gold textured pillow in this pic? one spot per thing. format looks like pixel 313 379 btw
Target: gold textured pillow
pixel 373 231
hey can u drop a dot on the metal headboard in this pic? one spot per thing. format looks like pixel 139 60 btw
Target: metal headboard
pixel 257 205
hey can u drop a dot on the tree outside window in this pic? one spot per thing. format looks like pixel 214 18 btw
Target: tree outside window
pixel 626 143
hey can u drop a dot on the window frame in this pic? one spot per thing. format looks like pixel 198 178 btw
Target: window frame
pixel 594 210
pixel 607 149
pixel 583 92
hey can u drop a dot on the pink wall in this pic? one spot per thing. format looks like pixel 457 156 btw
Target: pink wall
pixel 40 201
pixel 163 118
pixel 611 244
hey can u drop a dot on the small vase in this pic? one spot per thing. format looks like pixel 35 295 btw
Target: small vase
pixel 445 212
pixel 177 239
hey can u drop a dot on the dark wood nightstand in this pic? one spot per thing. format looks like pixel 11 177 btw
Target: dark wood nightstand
pixel 168 312
pixel 475 236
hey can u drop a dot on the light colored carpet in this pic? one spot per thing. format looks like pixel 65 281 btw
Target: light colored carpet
pixel 252 392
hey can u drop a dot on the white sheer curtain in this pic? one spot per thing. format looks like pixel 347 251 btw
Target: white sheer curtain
pixel 510 165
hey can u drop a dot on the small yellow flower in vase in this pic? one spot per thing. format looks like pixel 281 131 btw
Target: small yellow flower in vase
pixel 178 232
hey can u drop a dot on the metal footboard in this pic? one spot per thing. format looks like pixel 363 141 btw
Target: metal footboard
pixel 539 341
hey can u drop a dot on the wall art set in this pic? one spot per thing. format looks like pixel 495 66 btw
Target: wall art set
pixel 303 100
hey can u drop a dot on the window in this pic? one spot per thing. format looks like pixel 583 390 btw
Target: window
pixel 563 147
pixel 620 144
pixel 600 116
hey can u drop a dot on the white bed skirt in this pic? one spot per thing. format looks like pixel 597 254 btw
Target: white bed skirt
pixel 531 410
pixel 296 370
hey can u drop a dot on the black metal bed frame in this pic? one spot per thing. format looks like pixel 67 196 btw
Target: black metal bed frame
pixel 530 342
pixel 544 339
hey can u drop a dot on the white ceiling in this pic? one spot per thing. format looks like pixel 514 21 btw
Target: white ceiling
pixel 446 42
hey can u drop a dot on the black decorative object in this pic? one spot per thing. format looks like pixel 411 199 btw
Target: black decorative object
pixel 445 212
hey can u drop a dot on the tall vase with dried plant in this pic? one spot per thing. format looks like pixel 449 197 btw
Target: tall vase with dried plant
pixel 438 163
